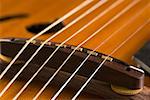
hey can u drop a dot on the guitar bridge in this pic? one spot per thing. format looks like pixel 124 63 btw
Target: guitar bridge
pixel 113 71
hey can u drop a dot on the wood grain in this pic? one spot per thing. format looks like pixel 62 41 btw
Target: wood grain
pixel 49 10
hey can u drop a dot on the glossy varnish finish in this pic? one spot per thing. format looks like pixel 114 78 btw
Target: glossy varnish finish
pixel 49 10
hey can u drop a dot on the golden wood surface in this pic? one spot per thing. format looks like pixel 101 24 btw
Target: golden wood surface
pixel 49 10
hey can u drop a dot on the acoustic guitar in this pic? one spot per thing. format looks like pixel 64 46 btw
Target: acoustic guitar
pixel 73 49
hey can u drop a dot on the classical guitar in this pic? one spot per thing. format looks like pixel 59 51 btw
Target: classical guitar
pixel 73 49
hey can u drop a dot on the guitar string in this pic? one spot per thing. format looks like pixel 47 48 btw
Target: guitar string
pixel 73 22
pixel 82 5
pixel 78 68
pixel 74 51
pixel 89 79
pixel 81 29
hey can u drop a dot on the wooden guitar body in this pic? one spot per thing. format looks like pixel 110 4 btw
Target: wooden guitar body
pixel 23 19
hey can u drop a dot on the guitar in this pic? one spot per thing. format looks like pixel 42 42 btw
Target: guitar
pixel 73 49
